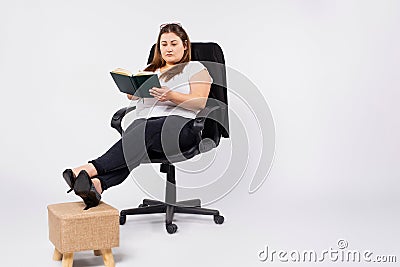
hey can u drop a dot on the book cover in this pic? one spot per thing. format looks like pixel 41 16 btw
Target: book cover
pixel 137 85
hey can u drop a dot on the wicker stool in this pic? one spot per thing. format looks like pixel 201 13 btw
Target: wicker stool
pixel 72 229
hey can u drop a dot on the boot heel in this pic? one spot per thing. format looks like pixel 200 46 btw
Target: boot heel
pixel 69 178
pixel 85 189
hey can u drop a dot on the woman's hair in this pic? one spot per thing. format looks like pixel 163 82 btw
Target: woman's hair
pixel 159 62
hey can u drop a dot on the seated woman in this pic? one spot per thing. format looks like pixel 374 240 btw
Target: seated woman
pixel 184 92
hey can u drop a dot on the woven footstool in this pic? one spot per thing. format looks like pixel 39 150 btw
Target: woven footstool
pixel 73 229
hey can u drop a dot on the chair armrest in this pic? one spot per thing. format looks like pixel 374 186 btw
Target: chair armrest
pixel 198 124
pixel 118 116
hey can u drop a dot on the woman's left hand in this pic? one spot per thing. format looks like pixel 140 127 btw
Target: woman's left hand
pixel 161 94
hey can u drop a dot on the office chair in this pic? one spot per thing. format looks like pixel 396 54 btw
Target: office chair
pixel 211 123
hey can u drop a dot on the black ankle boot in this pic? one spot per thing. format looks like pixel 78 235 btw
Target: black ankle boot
pixel 84 188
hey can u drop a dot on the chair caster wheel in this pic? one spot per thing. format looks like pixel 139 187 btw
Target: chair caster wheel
pixel 143 205
pixel 218 219
pixel 171 228
pixel 122 219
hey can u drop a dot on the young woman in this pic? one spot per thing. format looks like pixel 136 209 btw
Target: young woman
pixel 185 88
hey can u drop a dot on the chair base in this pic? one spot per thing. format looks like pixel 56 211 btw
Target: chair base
pixel 192 206
pixel 170 206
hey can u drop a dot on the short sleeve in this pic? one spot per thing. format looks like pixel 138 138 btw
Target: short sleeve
pixel 196 67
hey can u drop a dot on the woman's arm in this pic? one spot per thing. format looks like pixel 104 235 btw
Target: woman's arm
pixel 200 85
pixel 132 97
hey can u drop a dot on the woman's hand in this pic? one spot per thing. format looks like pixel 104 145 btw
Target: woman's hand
pixel 161 94
pixel 132 97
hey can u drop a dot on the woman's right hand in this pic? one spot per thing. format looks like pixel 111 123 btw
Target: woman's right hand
pixel 132 97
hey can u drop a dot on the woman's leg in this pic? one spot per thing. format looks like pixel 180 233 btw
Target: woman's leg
pixel 170 127
pixel 114 166
pixel 112 178
pixel 170 134
pixel 175 136
pixel 111 160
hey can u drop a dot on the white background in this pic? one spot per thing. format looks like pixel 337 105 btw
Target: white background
pixel 328 69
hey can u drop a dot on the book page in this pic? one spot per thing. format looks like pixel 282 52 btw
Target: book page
pixel 122 72
pixel 140 73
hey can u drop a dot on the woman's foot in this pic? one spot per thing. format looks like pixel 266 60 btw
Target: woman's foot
pixel 97 184
pixel 71 174
pixel 84 187
pixel 89 168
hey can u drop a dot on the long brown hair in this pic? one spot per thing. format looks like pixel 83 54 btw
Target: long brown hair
pixel 159 62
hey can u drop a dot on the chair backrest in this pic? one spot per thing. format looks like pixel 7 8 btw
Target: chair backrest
pixel 209 54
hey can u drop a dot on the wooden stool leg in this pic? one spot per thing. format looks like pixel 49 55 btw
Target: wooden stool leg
pixel 68 259
pixel 108 257
pixel 57 256
pixel 97 252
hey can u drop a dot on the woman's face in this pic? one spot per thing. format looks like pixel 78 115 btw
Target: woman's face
pixel 172 48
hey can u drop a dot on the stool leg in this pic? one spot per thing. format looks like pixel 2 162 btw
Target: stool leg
pixel 108 257
pixel 68 259
pixel 97 252
pixel 57 256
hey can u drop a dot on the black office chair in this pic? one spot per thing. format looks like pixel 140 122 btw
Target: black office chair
pixel 211 123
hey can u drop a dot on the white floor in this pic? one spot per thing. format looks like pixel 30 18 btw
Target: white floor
pixel 251 223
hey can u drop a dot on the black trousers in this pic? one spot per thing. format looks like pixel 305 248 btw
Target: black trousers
pixel 167 134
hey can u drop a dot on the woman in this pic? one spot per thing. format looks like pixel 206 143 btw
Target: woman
pixel 185 88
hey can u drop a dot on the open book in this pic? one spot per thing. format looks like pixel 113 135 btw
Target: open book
pixel 137 84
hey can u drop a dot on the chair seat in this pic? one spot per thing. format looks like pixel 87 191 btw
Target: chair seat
pixel 160 157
